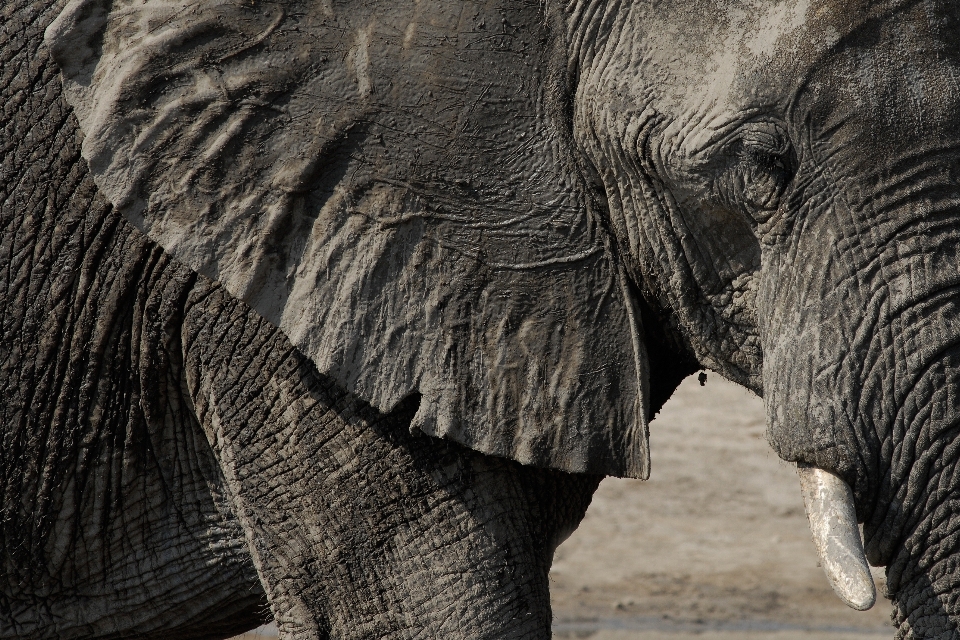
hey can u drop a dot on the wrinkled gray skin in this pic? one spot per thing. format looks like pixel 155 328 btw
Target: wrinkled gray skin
pixel 513 226
pixel 120 519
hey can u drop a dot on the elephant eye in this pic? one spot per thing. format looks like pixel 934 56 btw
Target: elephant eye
pixel 771 162
pixel 762 169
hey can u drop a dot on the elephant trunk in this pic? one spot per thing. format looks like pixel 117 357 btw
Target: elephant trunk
pixel 923 575
pixel 859 314
pixel 861 379
pixel 913 528
pixel 866 387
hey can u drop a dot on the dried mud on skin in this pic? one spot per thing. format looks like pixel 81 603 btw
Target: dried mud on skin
pixel 714 546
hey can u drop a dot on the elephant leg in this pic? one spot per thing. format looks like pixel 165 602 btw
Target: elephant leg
pixel 112 518
pixel 359 529
pixel 113 521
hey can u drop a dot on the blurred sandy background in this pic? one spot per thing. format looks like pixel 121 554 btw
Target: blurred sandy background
pixel 714 546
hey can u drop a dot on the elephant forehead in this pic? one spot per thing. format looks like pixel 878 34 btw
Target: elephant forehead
pixel 703 58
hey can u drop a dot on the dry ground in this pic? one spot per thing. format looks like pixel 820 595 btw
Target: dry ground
pixel 714 546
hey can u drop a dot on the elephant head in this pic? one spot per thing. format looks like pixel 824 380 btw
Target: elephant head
pixel 785 178
pixel 476 203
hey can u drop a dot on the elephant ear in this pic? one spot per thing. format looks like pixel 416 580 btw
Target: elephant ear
pixel 385 183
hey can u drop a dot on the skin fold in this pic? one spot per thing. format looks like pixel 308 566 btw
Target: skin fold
pixel 247 284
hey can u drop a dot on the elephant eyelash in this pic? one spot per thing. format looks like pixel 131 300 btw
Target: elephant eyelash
pixel 773 162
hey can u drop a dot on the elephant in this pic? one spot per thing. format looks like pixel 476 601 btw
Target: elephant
pixel 340 310
pixel 122 520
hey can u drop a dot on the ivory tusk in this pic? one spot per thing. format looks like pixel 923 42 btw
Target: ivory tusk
pixel 833 522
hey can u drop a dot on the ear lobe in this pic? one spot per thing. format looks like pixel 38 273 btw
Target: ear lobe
pixel 552 390
pixel 395 200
